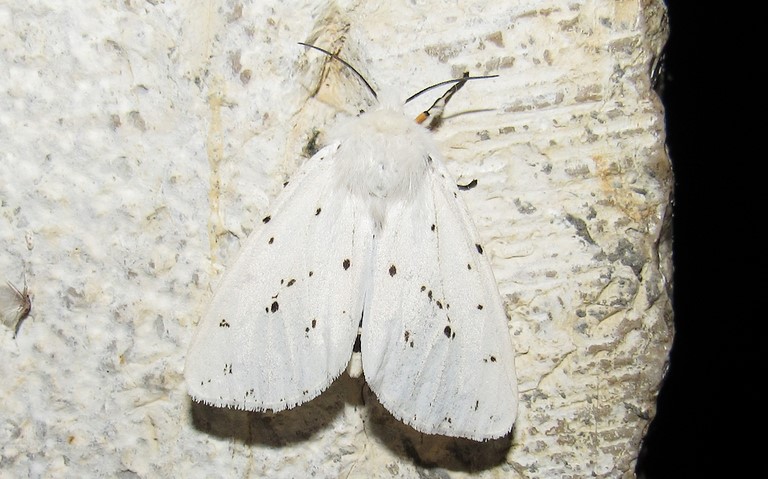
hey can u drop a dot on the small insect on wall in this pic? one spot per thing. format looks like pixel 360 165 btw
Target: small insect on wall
pixel 15 305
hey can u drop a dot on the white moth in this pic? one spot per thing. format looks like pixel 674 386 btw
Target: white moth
pixel 370 227
pixel 15 305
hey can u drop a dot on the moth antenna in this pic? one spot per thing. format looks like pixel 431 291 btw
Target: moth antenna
pixel 463 79
pixel 346 64
pixel 437 108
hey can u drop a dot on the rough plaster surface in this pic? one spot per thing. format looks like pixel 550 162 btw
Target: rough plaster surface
pixel 141 140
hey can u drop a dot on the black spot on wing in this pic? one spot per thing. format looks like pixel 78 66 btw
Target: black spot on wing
pixel 408 339
pixel 266 219
pixel 479 248
pixel 433 227
pixel 223 323
pixel 392 270
pixel 479 306
pixel 346 264
pixel 449 333
pixel 309 328
pixel 290 283
pixel 271 240
pixel 317 212
pixel 274 307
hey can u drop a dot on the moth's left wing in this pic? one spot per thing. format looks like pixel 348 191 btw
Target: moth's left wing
pixel 436 348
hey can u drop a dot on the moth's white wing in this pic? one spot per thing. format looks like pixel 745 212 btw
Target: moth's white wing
pixel 283 320
pixel 10 304
pixel 14 305
pixel 435 342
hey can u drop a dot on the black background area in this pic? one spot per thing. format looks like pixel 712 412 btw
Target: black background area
pixel 710 421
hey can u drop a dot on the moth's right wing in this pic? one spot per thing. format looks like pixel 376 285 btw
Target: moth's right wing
pixel 283 320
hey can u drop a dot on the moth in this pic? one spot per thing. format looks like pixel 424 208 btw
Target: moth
pixel 370 242
pixel 15 305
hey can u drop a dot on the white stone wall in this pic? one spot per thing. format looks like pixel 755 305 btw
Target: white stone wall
pixel 141 140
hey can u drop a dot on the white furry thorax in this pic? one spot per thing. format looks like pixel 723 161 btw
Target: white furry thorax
pixel 382 157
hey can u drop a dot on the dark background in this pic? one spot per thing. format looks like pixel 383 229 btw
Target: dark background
pixel 709 421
